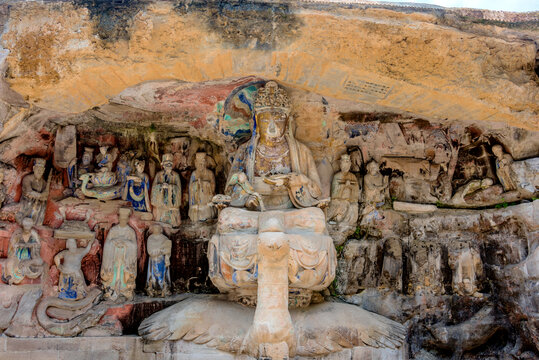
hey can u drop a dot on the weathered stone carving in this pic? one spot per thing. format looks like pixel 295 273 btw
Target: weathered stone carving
pixel 426 268
pixel 504 169
pixel 467 267
pixel 24 259
pixel 71 284
pixel 391 276
pixel 86 166
pixel 374 185
pixel 201 191
pixel 167 193
pixel 119 266
pixel 137 188
pixel 344 207
pixel 358 266
pixel 35 191
pixel 159 248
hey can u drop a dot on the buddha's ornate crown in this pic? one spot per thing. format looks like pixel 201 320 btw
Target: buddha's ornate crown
pixel 271 97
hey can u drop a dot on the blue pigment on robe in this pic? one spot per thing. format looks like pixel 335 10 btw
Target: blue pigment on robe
pixel 67 289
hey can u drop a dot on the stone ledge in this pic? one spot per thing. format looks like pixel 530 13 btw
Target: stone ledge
pixel 134 348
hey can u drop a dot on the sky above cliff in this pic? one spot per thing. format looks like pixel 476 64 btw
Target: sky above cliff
pixel 512 5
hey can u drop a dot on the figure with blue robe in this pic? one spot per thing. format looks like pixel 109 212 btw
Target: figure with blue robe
pixel 71 284
pixel 24 258
pixel 158 275
pixel 137 188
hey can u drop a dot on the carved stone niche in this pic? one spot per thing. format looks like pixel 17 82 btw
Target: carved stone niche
pixel 359 266
pixel 425 268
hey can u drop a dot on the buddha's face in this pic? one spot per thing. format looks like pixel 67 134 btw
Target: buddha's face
pixel 103 150
pixel 200 163
pixel 271 124
pixel 345 165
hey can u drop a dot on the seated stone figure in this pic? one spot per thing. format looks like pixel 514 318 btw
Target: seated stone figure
pixel 271 248
pixel 23 259
pixel 276 173
pixel 344 206
pixel 35 191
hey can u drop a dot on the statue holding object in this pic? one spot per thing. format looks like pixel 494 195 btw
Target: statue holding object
pixel 167 193
pixel 71 284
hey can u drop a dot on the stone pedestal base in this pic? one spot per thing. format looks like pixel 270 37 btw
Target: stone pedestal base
pixel 134 348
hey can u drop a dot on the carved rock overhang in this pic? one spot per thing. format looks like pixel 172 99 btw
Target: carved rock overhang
pixel 73 62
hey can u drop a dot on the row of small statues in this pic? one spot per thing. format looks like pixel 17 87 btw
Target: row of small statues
pixel 133 186
pixel 118 268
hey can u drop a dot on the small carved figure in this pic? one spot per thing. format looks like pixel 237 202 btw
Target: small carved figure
pixel 343 208
pixel 137 188
pixel 71 284
pixel 85 166
pixel 166 193
pixel 391 276
pixel 119 267
pixel 24 259
pixel 467 267
pixel 375 185
pixel 124 167
pixel 105 177
pixel 159 249
pixel 2 188
pixel 106 157
pixel 35 191
pixel 504 169
pixel 201 191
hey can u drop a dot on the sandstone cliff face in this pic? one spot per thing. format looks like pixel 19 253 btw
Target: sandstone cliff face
pixel 380 81
pixel 72 56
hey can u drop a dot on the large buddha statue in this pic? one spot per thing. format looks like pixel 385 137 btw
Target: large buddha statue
pixel 271 250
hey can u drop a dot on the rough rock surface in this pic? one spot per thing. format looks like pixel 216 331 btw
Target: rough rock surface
pixel 382 82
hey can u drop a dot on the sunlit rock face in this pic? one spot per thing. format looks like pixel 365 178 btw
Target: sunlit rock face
pixel 436 109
